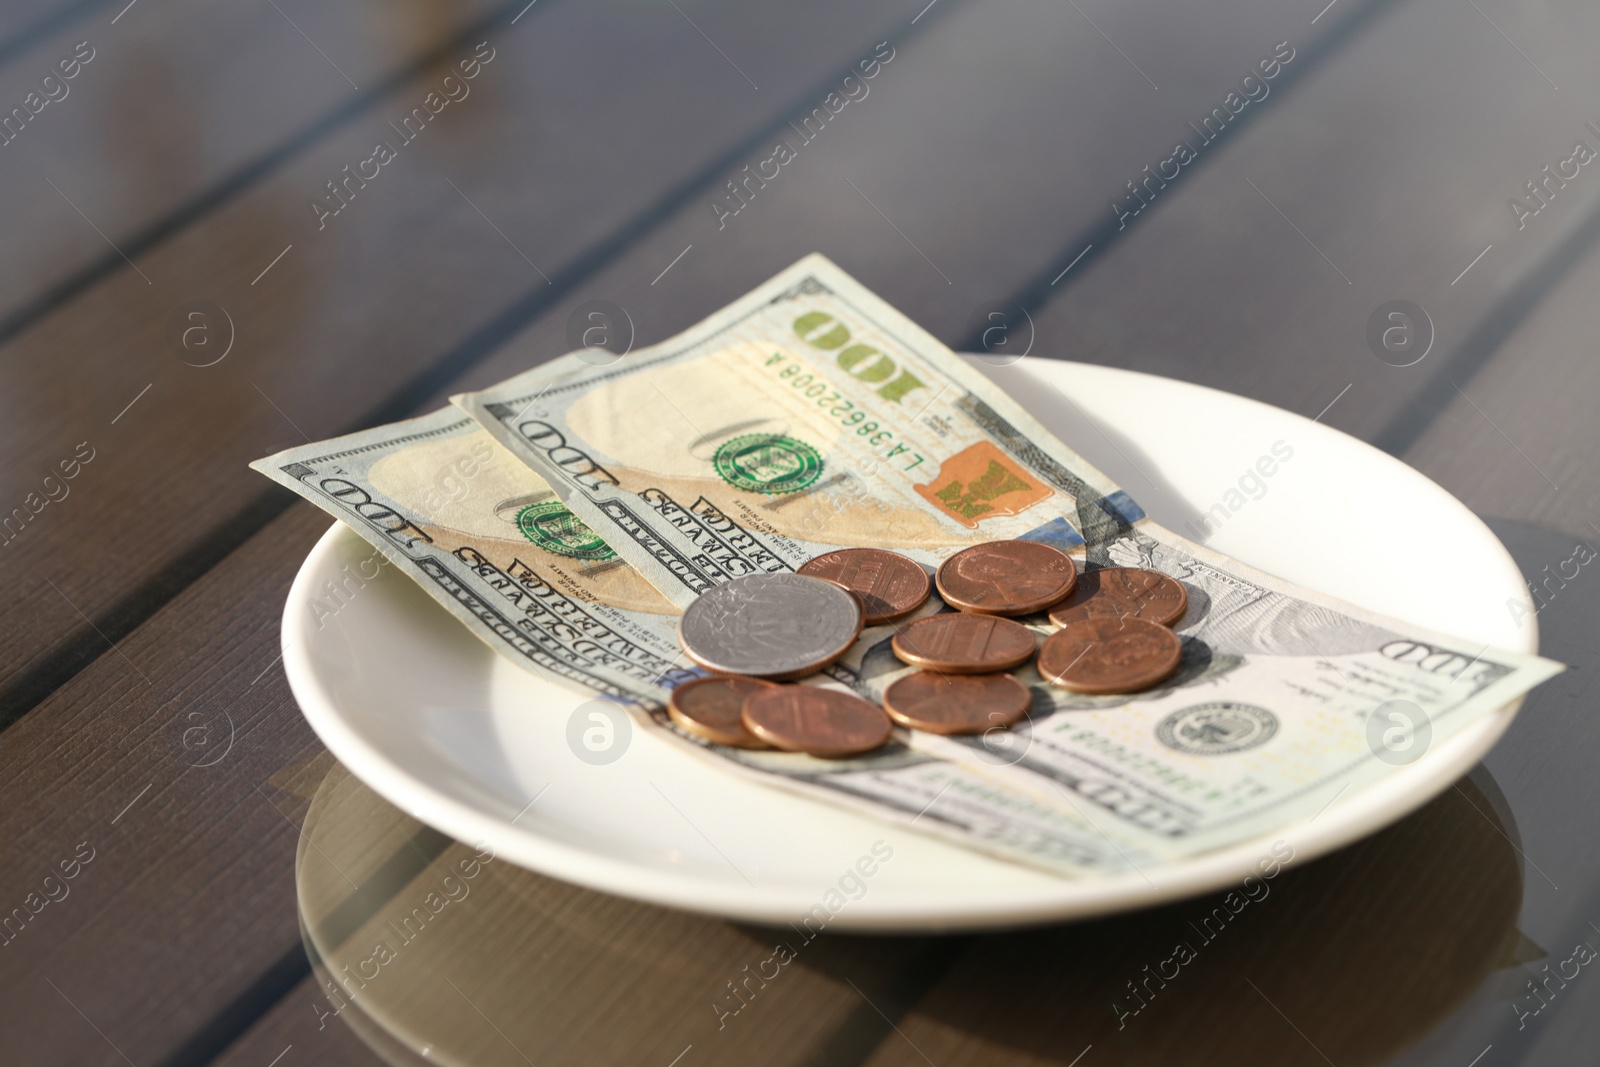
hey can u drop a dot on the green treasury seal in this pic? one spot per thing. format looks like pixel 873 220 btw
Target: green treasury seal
pixel 767 463
pixel 555 529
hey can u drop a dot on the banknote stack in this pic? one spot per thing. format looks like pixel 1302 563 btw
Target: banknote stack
pixel 731 533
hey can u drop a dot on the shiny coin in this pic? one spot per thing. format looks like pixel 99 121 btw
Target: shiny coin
pixel 956 704
pixel 1006 578
pixel 1126 592
pixel 956 643
pixel 820 722
pixel 1109 655
pixel 709 708
pixel 890 585
pixel 770 625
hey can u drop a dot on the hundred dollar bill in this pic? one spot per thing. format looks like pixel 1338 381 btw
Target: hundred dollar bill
pixel 810 416
pixel 1283 701
pixel 490 541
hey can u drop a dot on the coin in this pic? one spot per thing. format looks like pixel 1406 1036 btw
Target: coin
pixel 1006 578
pixel 709 708
pixel 889 584
pixel 1109 655
pixel 956 704
pixel 1129 592
pixel 770 625
pixel 820 722
pixel 956 643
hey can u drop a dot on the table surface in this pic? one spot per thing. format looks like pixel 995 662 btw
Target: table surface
pixel 196 274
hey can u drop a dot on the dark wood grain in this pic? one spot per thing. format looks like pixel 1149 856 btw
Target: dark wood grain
pixel 949 224
pixel 1519 438
pixel 188 899
pixel 1428 906
pixel 179 152
pixel 1545 765
pixel 183 900
pixel 326 342
pixel 1381 177
pixel 301 1023
pixel 997 135
pixel 518 966
pixel 1348 960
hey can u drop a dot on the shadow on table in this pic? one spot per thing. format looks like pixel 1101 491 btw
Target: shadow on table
pixel 436 954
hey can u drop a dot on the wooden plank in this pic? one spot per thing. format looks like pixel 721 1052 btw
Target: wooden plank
pixel 329 302
pixel 70 137
pixel 960 1020
pixel 324 340
pixel 300 1026
pixel 565 975
pixel 1520 414
pixel 951 223
pixel 1382 177
pixel 212 928
pixel 131 99
pixel 1394 908
pixel 1526 411
pixel 1546 767
pixel 189 884
pixel 66 742
pixel 188 663
pixel 1352 958
pixel 1420 164
pixel 1389 157
pixel 248 883
pixel 187 901
pixel 1519 438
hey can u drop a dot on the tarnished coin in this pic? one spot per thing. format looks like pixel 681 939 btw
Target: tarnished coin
pixel 770 625
pixel 956 704
pixel 1124 592
pixel 889 584
pixel 820 722
pixel 1006 578
pixel 710 708
pixel 957 643
pixel 1109 655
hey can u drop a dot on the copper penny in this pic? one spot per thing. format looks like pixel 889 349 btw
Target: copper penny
pixel 819 722
pixel 1126 592
pixel 956 704
pixel 709 708
pixel 1109 655
pixel 1006 578
pixel 957 643
pixel 890 585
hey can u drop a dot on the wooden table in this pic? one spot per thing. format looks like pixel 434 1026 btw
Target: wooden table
pixel 196 274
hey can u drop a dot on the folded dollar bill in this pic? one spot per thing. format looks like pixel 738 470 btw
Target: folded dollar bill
pixel 490 541
pixel 809 416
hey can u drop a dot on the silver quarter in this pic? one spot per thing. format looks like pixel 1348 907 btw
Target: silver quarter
pixel 770 626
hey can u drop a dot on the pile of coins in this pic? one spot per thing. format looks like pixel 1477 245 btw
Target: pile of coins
pixel 1114 635
pixel 756 631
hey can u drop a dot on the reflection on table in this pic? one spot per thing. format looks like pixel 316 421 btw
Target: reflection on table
pixel 436 952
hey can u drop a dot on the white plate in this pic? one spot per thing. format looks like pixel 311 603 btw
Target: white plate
pixel 464 740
